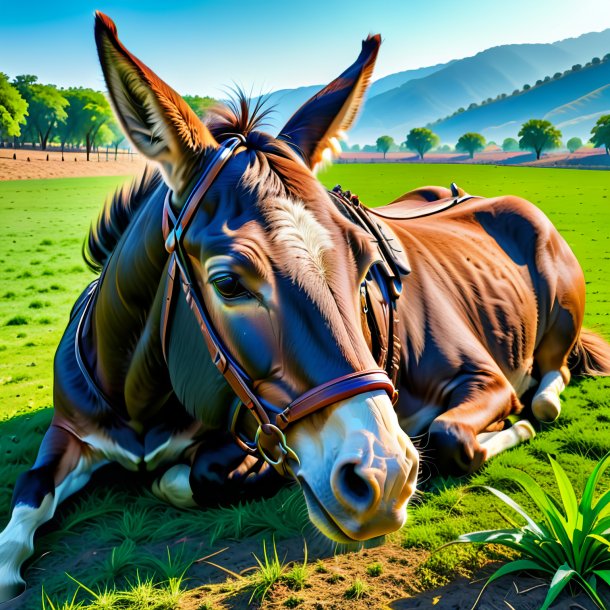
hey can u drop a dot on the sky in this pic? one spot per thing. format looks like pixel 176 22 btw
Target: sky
pixel 202 47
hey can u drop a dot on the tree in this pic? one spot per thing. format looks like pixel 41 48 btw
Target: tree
pixel 573 144
pixel 601 133
pixel 88 110
pixel 116 135
pixel 355 148
pixel 13 109
pixel 199 104
pixel 538 135
pixel 510 145
pixel 421 140
pixel 384 143
pixel 46 107
pixel 470 143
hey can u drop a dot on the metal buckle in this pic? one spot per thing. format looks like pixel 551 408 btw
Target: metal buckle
pixel 282 446
pixel 244 443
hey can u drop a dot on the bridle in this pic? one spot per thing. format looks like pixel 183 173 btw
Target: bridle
pixel 272 420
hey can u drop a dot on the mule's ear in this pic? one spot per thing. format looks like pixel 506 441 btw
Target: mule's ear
pixel 314 127
pixel 156 119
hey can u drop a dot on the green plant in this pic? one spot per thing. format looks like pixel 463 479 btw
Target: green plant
pixel 293 601
pixel 270 571
pixel 571 542
pixel 374 569
pixel 357 590
pixel 46 603
pixel 297 576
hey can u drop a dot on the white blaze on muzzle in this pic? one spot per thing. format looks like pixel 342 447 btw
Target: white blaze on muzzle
pixel 358 469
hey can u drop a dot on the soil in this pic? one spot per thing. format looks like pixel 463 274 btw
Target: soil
pixel 396 587
pixel 75 164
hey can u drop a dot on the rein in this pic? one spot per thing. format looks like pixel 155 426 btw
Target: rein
pixel 270 440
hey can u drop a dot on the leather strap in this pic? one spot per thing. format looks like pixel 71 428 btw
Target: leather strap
pixel 334 391
pixel 270 441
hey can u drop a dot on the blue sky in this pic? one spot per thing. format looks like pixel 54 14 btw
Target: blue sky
pixel 203 46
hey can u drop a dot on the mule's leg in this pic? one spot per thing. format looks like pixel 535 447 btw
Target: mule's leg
pixel 552 359
pixel 220 472
pixel 479 403
pixel 64 464
pixel 494 443
pixel 174 486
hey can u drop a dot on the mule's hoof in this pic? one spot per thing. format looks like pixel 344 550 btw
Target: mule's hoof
pixel 546 407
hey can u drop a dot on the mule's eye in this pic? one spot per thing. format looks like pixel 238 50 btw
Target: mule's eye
pixel 228 286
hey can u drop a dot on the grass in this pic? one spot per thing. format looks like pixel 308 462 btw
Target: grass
pixel 270 570
pixel 44 224
pixel 357 590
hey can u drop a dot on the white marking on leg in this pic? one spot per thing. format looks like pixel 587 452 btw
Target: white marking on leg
pixel 496 442
pixel 17 538
pixel 112 451
pixel 546 405
pixel 171 450
pixel 174 487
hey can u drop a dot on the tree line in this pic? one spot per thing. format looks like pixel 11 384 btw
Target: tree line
pixel 38 114
pixel 535 135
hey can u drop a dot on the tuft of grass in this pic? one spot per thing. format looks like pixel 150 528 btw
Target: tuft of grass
pixel 173 567
pixel 296 577
pixel 320 567
pixel 139 595
pixel 270 571
pixel 357 590
pixel 119 562
pixel 293 601
pixel 17 321
pixel 374 569
pixel 571 543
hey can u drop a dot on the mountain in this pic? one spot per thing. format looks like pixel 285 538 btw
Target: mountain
pixel 573 103
pixel 286 101
pixel 471 80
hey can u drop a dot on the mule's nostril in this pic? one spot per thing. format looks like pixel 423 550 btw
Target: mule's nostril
pixel 355 489
pixel 354 482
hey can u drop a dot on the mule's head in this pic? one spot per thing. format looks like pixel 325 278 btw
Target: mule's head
pixel 279 269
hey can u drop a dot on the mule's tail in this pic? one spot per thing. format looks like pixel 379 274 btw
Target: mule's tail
pixel 590 356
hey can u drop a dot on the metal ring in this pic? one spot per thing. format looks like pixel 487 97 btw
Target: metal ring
pixel 284 450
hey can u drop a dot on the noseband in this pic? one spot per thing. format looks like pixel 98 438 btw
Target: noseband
pixel 270 441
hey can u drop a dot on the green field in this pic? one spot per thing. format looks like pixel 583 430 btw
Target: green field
pixel 44 225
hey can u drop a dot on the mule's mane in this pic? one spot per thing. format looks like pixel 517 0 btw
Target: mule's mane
pixel 115 217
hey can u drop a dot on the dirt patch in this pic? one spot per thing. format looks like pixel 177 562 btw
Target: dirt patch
pixel 75 164
pixel 389 577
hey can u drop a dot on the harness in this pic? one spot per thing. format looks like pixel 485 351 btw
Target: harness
pixel 272 420
pixel 379 294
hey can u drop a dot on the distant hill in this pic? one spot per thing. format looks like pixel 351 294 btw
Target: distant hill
pixel 286 101
pixel 573 103
pixel 473 79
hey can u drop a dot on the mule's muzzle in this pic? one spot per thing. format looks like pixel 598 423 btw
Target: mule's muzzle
pixel 358 469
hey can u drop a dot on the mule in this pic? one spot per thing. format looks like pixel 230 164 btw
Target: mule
pixel 231 278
